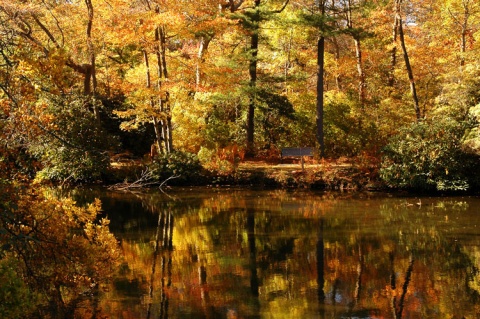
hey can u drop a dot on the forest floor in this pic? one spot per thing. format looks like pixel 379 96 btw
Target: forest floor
pixel 287 173
pixel 291 165
pixel 339 174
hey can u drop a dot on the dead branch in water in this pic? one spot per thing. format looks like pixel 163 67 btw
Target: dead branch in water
pixel 146 179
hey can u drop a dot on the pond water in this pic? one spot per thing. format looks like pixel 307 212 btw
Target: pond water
pixel 210 253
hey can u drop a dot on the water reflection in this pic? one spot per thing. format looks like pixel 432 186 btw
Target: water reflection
pixel 277 254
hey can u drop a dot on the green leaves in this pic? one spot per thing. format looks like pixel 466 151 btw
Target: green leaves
pixel 429 156
pixel 276 103
pixel 184 167
pixel 75 149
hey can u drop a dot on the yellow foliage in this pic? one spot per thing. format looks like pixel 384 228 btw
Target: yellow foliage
pixel 65 252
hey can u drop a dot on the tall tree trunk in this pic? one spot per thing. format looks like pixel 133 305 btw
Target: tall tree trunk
pixel 288 62
pixel 163 128
pixel 361 73
pixel 156 124
pixel 463 43
pixel 91 74
pixel 320 80
pixel 202 49
pixel 338 79
pixel 252 70
pixel 393 53
pixel 408 66
pixel 165 99
pixel 358 55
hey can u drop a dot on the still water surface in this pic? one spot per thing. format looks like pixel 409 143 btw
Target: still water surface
pixel 208 253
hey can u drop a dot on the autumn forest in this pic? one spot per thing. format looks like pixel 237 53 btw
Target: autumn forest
pixel 396 81
pixel 186 90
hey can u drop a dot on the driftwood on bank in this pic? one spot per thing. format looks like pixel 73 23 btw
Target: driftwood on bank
pixel 145 180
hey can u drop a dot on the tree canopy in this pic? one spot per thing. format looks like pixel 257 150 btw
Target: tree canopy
pixel 199 77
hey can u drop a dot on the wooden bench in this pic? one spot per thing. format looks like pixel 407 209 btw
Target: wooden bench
pixel 298 152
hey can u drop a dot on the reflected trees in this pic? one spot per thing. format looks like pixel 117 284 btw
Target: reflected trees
pixel 163 246
pixel 241 254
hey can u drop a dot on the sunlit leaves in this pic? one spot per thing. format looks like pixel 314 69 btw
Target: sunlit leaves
pixel 60 248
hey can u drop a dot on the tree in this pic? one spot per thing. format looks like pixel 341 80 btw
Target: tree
pixel 398 30
pixel 461 14
pixel 316 16
pixel 251 17
pixel 62 252
pixel 321 65
pixel 356 34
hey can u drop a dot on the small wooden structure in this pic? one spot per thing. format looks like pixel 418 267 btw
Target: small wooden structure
pixel 298 152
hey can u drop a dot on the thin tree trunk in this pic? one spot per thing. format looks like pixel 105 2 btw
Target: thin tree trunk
pixel 338 79
pixel 463 39
pixel 361 73
pixel 202 49
pixel 156 124
pixel 408 66
pixel 288 62
pixel 165 102
pixel 358 56
pixel 160 126
pixel 320 82
pixel 168 125
pixel 252 70
pixel 91 73
pixel 393 54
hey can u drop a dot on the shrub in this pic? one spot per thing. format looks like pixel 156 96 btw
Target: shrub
pixel 429 156
pixel 75 148
pixel 348 129
pixel 185 166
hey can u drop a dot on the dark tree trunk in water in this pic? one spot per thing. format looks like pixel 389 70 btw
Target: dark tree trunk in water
pixel 320 270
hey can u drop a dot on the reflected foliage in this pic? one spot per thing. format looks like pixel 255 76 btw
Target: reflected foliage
pixel 283 255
